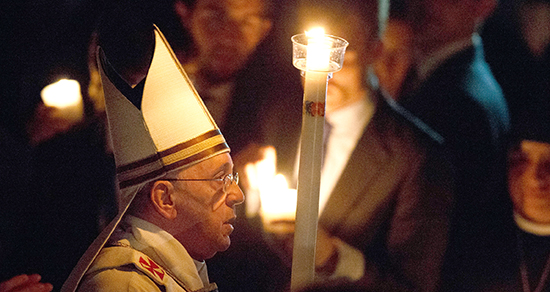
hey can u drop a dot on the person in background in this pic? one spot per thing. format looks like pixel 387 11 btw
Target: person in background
pixel 392 67
pixel 523 260
pixel 386 200
pixel 56 175
pixel 529 187
pixel 452 89
pixel 237 64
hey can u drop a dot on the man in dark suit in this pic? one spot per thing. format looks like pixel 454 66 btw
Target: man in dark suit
pixel 391 200
pixel 453 90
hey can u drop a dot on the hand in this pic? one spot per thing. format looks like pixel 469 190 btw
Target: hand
pixel 281 238
pixel 25 283
pixel 46 123
pixel 326 247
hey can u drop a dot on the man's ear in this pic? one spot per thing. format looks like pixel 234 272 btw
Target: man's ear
pixel 162 197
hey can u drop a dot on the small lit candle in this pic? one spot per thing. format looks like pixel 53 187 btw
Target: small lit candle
pixel 64 95
pixel 278 205
pixel 258 174
pixel 268 193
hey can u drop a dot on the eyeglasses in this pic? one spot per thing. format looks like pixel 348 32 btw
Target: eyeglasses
pixel 227 180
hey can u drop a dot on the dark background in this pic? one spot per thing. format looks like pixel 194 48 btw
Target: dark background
pixel 56 196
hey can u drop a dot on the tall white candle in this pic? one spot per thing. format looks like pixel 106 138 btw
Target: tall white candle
pixel 309 177
pixel 318 55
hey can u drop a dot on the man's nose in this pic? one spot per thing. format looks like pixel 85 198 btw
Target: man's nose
pixel 235 195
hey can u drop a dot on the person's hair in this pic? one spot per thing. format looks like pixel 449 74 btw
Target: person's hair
pixel 141 200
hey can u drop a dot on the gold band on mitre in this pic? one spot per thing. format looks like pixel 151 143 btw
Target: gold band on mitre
pixel 182 155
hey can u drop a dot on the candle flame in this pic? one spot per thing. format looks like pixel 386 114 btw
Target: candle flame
pixel 276 200
pixel 318 50
pixel 61 94
pixel 316 32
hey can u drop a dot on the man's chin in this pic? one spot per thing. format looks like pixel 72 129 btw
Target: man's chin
pixel 225 244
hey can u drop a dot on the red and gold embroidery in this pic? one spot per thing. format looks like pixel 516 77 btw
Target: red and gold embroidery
pixel 152 267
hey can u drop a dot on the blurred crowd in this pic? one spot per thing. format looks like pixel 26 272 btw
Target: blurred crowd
pixel 436 171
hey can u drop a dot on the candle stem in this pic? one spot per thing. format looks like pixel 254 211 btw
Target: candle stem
pixel 309 177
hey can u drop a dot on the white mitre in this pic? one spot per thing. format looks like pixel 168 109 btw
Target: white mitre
pixel 169 128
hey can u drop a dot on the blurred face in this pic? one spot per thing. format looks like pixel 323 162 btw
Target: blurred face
pixel 437 22
pixel 348 85
pixel 392 67
pixel 205 212
pixel 529 180
pixel 226 32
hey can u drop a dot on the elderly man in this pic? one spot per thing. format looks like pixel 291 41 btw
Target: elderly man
pixel 177 186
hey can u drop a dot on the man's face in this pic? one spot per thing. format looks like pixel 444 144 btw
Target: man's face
pixel 437 22
pixel 529 180
pixel 226 33
pixel 392 66
pixel 346 86
pixel 205 212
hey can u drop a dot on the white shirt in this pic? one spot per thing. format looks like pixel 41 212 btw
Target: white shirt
pixel 348 124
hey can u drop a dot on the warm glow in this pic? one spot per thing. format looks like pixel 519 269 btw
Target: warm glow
pixel 318 50
pixel 62 94
pixel 278 201
pixel 316 32
pixel 262 172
